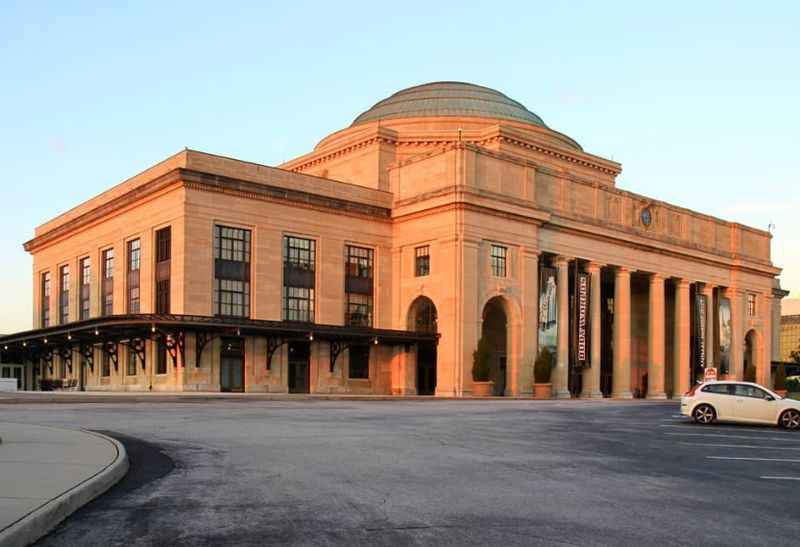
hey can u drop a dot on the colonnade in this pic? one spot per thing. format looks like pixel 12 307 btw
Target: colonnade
pixel 657 319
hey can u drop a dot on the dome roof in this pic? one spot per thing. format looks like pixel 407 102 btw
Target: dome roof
pixel 449 99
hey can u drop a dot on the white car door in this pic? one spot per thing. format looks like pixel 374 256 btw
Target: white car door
pixel 749 403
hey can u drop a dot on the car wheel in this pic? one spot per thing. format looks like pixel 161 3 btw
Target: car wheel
pixel 704 414
pixel 790 419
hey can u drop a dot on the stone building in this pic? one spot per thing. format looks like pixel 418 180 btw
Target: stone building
pixel 375 263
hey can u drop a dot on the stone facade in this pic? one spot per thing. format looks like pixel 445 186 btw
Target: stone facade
pixel 469 185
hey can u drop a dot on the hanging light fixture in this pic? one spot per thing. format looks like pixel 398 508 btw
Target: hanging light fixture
pixel 310 336
pixel 96 332
pixel 375 340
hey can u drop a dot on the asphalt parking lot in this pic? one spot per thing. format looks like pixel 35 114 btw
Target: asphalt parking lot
pixel 218 472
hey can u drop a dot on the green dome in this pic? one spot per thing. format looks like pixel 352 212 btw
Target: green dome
pixel 449 99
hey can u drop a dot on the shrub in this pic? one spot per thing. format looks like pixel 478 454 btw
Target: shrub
pixel 480 361
pixel 543 366
pixel 779 382
pixel 750 374
pixel 793 384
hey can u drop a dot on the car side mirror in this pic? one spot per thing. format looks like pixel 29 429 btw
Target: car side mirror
pixel 770 398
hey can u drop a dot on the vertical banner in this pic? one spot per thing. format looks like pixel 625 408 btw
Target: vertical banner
pixel 548 309
pixel 700 338
pixel 582 284
pixel 725 336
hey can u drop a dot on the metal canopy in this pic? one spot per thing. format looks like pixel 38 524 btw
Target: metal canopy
pixel 131 330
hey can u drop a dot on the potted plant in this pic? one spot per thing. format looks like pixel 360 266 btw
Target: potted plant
pixel 780 381
pixel 481 385
pixel 542 369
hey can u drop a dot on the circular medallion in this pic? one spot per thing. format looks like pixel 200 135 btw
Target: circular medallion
pixel 647 216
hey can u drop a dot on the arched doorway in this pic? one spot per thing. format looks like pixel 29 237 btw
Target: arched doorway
pixel 749 373
pixel 494 329
pixel 422 317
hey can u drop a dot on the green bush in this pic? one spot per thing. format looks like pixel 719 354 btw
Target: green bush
pixel 793 384
pixel 779 382
pixel 543 367
pixel 750 374
pixel 480 361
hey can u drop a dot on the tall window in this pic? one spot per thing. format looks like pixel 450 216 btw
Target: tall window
pixel 63 295
pixel 231 271
pixel 161 357
pixel 163 273
pixel 359 286
pixel 132 361
pixel 45 299
pixel 134 267
pixel 107 285
pixel 85 267
pixel 498 258
pixel 299 261
pixel 422 261
pixel 105 364
pixel 359 362
pixel 751 305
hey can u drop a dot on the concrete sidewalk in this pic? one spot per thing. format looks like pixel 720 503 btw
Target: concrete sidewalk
pixel 46 474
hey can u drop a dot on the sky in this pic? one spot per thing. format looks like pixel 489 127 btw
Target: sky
pixel 699 101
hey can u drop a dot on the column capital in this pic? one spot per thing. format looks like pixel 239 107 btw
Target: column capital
pixel 593 266
pixel 708 288
pixel 682 282
pixel 562 260
pixel 656 277
pixel 622 270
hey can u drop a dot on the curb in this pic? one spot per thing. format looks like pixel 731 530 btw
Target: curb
pixel 45 518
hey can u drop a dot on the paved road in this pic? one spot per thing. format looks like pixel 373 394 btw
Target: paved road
pixel 444 473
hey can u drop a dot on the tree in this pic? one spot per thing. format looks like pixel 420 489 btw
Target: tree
pixel 480 361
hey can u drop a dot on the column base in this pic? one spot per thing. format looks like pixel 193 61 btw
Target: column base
pixel 563 394
pixel 622 395
pixel 657 396
pixel 592 395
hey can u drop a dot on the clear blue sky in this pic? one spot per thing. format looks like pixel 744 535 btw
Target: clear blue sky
pixel 697 100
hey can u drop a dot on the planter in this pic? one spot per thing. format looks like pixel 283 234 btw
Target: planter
pixel 482 389
pixel 542 391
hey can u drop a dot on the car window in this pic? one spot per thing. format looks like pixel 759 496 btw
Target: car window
pixel 717 389
pixel 750 391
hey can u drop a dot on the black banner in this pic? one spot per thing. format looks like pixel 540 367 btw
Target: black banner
pixel 700 334
pixel 580 332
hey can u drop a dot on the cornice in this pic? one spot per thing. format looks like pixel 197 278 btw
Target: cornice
pixel 92 216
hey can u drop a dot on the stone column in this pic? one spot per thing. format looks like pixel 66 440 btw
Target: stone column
pixel 621 383
pixel 764 361
pixel 591 377
pixel 737 333
pixel 561 373
pixel 530 311
pixel 681 375
pixel 656 332
pixel 708 292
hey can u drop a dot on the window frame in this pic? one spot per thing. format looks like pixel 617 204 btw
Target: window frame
pixel 45 299
pixel 752 305
pixel 133 265
pixel 84 288
pixel 299 275
pixel 107 262
pixel 422 262
pixel 232 287
pixel 64 280
pixel 498 260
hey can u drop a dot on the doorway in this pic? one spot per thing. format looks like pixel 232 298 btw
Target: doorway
pixel 422 318
pixel 231 368
pixel 299 364
pixel 495 331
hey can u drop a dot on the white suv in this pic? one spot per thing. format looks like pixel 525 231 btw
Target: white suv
pixel 740 402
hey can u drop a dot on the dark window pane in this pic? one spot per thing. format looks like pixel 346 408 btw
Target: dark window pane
pixel 359 362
